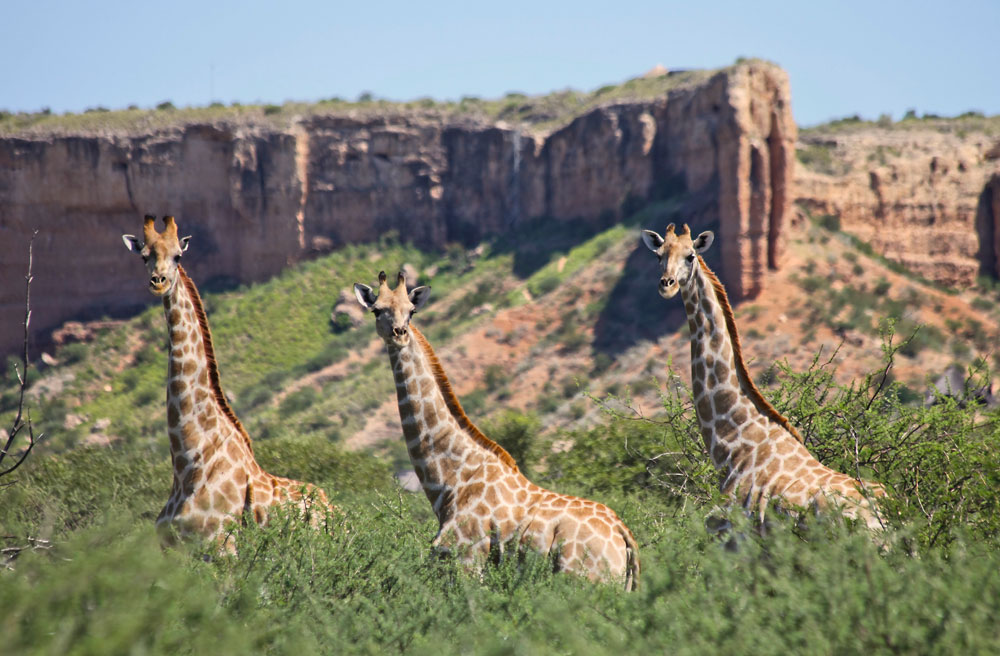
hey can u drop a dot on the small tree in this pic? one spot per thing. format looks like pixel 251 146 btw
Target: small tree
pixel 22 420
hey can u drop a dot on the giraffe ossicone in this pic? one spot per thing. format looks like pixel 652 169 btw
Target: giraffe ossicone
pixel 759 453
pixel 217 482
pixel 484 505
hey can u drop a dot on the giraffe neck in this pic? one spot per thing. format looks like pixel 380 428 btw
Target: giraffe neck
pixel 726 398
pixel 197 410
pixel 446 449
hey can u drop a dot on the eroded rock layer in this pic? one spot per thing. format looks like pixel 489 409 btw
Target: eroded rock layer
pixel 922 195
pixel 257 197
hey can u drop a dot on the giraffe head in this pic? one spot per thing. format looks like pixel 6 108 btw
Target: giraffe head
pixel 392 308
pixel 678 255
pixel 161 251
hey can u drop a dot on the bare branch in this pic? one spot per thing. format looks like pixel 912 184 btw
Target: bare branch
pixel 9 554
pixel 22 379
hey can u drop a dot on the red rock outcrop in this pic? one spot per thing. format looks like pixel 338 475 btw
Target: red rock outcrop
pixel 920 195
pixel 256 197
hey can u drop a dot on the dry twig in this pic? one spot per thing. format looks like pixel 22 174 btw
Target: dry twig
pixel 23 419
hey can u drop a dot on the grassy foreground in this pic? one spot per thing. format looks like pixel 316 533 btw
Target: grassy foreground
pixel 97 581
pixel 105 585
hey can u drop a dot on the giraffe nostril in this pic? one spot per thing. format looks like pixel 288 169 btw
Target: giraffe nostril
pixel 670 282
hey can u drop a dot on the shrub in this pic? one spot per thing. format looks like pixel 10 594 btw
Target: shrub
pixel 518 434
pixel 494 377
pixel 984 305
pixel 940 463
pixel 817 157
pixel 544 283
pixel 298 401
pixel 829 222
pixel 73 353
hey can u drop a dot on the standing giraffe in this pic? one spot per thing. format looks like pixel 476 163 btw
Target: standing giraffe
pixel 760 454
pixel 481 500
pixel 216 479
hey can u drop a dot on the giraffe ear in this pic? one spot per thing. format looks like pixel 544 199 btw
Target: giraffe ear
pixel 132 243
pixel 185 242
pixel 652 240
pixel 703 241
pixel 365 295
pixel 419 296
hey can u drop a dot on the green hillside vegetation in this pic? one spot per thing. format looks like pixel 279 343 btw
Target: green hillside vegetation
pixel 966 122
pixel 96 580
pixel 536 112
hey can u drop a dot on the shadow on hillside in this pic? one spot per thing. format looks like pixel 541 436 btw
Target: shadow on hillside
pixel 535 243
pixel 635 311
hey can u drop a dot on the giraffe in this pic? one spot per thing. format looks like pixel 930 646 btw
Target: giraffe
pixel 759 453
pixel 216 480
pixel 482 501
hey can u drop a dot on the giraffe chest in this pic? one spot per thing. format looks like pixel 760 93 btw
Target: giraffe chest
pixel 206 498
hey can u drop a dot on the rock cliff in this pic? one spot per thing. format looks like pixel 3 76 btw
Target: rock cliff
pixel 257 196
pixel 922 193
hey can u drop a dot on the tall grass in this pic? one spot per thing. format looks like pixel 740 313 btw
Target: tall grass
pixel 106 586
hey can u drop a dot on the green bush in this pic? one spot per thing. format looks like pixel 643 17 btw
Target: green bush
pixel 940 463
pixel 829 222
pixel 545 283
pixel 298 401
pixel 495 376
pixel 518 433
pixel 106 586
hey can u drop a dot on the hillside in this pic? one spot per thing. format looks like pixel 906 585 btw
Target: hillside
pixel 562 314
pixel 560 348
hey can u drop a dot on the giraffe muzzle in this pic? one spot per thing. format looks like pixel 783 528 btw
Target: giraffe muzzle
pixel 668 287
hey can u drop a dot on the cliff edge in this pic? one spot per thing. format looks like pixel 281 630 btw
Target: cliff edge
pixel 257 195
pixel 922 192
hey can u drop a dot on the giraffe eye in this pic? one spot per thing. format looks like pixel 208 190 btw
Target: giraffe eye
pixel 177 258
pixel 690 257
pixel 378 311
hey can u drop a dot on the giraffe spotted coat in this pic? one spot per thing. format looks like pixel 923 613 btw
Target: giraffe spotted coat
pixel 216 479
pixel 482 501
pixel 760 454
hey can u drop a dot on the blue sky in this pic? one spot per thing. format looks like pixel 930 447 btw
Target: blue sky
pixel 843 58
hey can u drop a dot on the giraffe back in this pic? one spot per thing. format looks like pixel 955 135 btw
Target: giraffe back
pixel 490 505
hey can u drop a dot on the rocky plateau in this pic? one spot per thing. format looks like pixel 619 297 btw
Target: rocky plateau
pixel 257 197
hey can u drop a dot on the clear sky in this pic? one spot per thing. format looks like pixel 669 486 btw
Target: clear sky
pixel 844 57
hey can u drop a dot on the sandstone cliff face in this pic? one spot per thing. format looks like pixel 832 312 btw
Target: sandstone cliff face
pixel 256 197
pixel 920 197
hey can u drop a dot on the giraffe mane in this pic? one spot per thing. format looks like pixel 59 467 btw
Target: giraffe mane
pixel 213 368
pixel 746 381
pixel 444 385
